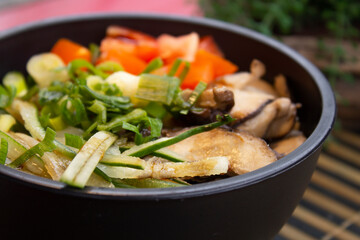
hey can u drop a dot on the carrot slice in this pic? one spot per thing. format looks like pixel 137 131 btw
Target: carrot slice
pixel 131 63
pixel 199 71
pixel 221 65
pixel 68 50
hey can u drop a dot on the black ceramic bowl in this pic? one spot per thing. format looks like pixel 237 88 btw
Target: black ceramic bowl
pixel 250 206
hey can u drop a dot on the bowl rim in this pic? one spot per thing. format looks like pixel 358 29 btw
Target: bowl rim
pixel 313 142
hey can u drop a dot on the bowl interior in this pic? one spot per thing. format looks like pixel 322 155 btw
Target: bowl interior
pixel 240 45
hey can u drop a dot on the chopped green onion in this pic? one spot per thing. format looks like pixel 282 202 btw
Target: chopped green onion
pixel 153 65
pixel 3 151
pixel 73 111
pixel 94 52
pixel 47 145
pixel 57 123
pixel 157 88
pixel 74 140
pixel 184 71
pixel 17 80
pixel 110 66
pixel 137 114
pixel 31 92
pixel 7 95
pixel 77 64
pixel 150 147
pixel 99 108
pixel 156 109
pixel 200 87
pixel 174 67
pixel 112 101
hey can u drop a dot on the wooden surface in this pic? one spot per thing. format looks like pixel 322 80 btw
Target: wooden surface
pixel 330 208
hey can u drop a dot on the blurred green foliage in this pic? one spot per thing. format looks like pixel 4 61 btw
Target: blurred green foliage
pixel 339 19
pixel 281 17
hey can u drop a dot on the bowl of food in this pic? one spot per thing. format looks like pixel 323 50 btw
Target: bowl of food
pixel 155 126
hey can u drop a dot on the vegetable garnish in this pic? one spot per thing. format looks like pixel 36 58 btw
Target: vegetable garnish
pixel 84 163
pixel 3 151
pixel 47 145
pixel 132 111
pixel 148 148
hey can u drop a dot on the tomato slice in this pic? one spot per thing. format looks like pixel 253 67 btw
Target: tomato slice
pixel 68 50
pixel 208 44
pixel 171 47
pixel 119 31
pixel 143 49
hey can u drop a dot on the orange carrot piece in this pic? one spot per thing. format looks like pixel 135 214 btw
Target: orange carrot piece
pixel 221 65
pixel 131 63
pixel 199 71
pixel 68 50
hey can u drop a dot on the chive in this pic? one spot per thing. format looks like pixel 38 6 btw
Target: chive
pixel 3 151
pixel 174 67
pixel 200 87
pixel 150 147
pixel 46 145
pixel 74 140
pixel 153 65
pixel 185 71
pixel 135 115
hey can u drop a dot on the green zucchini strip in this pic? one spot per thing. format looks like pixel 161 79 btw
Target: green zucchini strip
pixel 149 147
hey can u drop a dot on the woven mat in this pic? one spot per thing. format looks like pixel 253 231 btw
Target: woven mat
pixel 330 208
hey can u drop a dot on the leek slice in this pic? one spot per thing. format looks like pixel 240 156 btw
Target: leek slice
pixel 17 80
pixel 47 145
pixel 157 88
pixel 84 163
pixel 15 149
pixel 46 68
pixel 6 122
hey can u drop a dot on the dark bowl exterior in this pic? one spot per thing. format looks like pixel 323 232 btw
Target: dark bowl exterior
pixel 251 206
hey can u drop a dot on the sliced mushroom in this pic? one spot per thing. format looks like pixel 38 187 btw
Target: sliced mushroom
pixel 275 120
pixel 280 85
pixel 288 144
pixel 248 104
pixel 244 151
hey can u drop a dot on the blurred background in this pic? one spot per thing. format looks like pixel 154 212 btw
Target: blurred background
pixel 327 32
